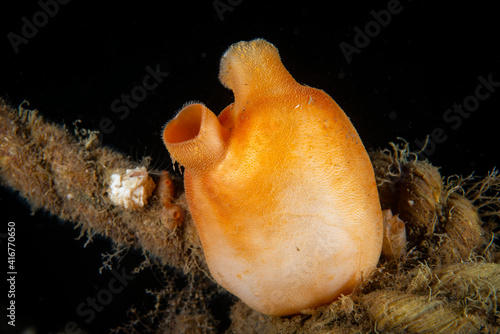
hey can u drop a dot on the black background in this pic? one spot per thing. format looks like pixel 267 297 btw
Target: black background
pixel 426 59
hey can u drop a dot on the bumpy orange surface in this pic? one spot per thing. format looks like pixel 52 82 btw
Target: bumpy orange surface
pixel 279 185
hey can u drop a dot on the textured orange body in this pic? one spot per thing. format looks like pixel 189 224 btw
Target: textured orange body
pixel 280 187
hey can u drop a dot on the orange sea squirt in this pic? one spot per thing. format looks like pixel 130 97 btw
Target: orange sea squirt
pixel 279 185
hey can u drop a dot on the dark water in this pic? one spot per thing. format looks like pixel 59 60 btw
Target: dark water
pixel 398 69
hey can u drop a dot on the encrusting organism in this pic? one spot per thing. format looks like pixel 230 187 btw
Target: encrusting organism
pixel 130 188
pixel 172 215
pixel 103 192
pixel 280 187
pixel 439 273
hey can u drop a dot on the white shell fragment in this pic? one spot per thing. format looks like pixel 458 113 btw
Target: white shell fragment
pixel 130 188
